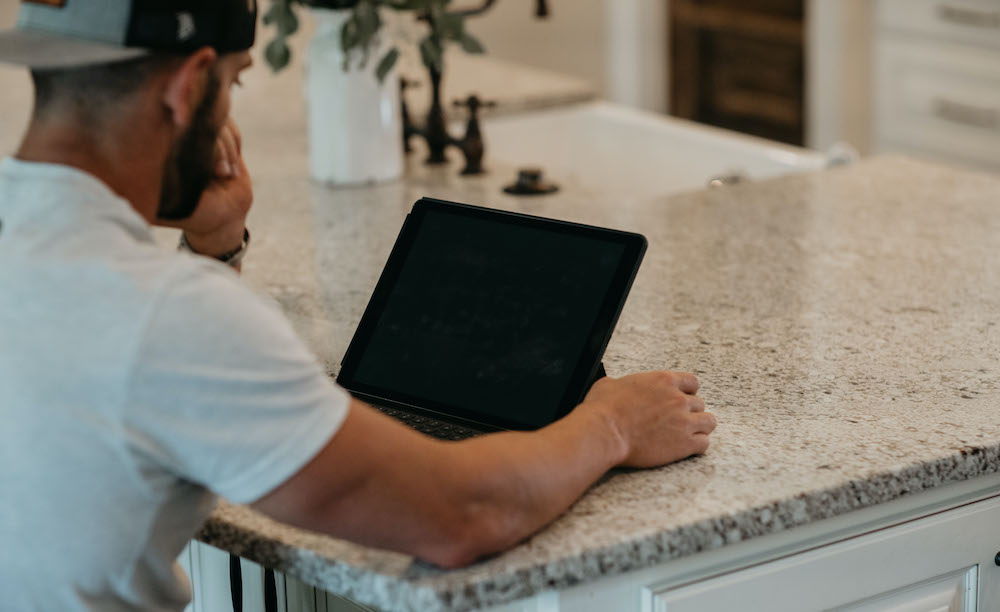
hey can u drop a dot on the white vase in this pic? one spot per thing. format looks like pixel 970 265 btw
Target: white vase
pixel 355 123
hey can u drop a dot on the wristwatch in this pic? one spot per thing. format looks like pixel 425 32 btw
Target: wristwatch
pixel 231 258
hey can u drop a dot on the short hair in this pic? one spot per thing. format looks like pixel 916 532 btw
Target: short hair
pixel 90 90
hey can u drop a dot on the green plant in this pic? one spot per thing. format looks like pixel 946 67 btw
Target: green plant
pixel 359 35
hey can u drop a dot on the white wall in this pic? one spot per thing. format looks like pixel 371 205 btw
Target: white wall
pixel 638 54
pixel 838 73
pixel 571 40
pixel 8 12
pixel 15 102
pixel 620 46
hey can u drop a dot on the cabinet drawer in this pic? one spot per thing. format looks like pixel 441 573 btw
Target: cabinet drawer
pixel 941 562
pixel 939 97
pixel 968 21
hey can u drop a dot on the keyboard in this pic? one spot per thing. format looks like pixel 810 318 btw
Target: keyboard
pixel 430 426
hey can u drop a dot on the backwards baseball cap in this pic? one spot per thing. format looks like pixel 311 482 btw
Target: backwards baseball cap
pixel 56 34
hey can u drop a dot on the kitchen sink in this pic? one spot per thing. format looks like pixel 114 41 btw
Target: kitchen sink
pixel 609 148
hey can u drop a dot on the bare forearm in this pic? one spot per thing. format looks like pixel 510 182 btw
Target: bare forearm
pixel 522 481
pixel 380 483
pixel 514 483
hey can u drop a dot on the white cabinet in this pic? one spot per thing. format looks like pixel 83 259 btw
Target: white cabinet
pixel 975 22
pixel 942 563
pixel 210 570
pixel 954 592
pixel 937 80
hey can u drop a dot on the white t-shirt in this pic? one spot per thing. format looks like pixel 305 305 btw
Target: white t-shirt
pixel 135 384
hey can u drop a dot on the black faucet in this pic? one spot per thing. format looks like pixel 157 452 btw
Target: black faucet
pixel 435 131
pixel 408 128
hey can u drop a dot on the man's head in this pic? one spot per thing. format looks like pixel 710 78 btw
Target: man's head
pixel 99 65
pixel 193 93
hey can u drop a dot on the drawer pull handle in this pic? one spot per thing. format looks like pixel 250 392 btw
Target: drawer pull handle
pixel 968 17
pixel 959 112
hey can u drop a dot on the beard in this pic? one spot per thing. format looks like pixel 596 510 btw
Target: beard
pixel 190 165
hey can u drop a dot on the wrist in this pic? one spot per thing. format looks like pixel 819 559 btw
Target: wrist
pixel 603 421
pixel 216 243
pixel 212 247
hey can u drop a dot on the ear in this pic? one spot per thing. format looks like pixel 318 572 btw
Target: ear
pixel 185 86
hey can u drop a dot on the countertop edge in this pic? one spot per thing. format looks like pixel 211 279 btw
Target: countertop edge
pixel 370 587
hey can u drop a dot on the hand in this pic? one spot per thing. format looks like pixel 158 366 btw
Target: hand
pixel 217 225
pixel 656 414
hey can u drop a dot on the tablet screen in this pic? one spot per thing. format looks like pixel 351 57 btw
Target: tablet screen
pixel 491 316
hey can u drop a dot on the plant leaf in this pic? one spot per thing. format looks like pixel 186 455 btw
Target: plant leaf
pixel 368 19
pixel 349 37
pixel 272 11
pixel 292 23
pixel 471 44
pixel 348 34
pixel 369 22
pixel 282 17
pixel 436 13
pixel 277 54
pixel 408 5
pixel 431 53
pixel 451 26
pixel 386 64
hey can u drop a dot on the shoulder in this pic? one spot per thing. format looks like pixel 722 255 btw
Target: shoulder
pixel 225 389
pixel 202 301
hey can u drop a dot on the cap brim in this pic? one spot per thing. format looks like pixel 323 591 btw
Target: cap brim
pixel 42 51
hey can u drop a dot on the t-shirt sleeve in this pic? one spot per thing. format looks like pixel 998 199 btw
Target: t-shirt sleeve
pixel 224 393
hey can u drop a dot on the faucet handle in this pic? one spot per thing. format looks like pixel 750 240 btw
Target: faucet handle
pixel 474 103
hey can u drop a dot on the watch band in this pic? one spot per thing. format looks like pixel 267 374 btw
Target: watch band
pixel 231 258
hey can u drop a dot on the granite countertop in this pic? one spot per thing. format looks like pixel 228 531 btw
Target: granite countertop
pixel 843 325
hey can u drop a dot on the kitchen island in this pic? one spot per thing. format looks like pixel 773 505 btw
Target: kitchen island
pixel 843 325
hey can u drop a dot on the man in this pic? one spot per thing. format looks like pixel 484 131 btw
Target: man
pixel 137 384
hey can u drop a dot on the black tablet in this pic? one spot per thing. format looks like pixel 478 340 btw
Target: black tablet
pixel 491 317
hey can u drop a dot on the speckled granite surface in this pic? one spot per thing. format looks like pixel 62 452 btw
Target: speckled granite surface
pixel 843 325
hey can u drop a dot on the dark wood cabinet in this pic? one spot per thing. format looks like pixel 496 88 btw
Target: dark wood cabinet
pixel 739 64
